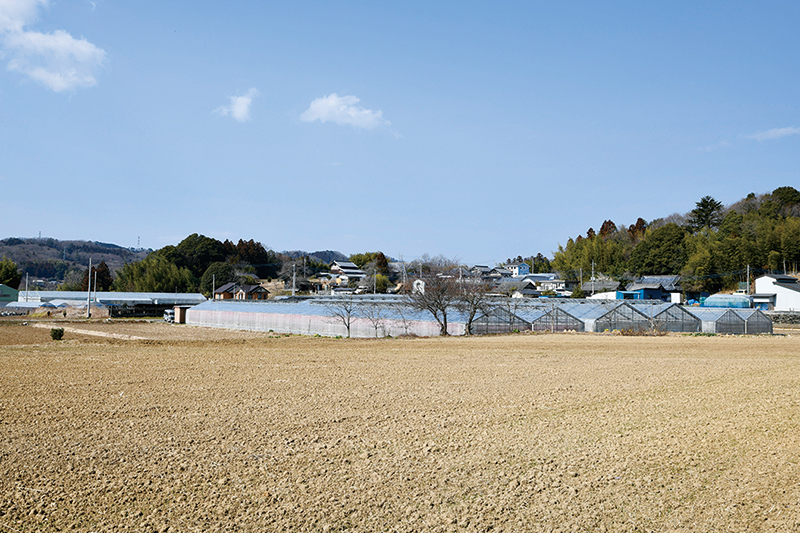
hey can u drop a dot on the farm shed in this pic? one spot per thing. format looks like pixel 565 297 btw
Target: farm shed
pixel 119 303
pixel 371 316
pixel 668 317
pixel 719 320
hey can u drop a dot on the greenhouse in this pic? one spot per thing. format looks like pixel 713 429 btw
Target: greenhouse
pixel 556 320
pixel 379 316
pixel 623 317
pixel 499 320
pixel 719 320
pixel 607 315
pixel 668 317
pixel 755 322
pixel 373 316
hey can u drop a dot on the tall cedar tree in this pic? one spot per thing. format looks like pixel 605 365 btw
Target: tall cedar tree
pixel 104 279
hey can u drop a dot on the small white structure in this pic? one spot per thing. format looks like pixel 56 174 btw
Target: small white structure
pixel 781 292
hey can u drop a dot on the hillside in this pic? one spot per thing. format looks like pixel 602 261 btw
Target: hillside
pixel 326 256
pixel 52 259
pixel 713 247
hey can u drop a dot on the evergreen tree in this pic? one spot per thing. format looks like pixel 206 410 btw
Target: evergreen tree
pixel 9 274
pixel 706 214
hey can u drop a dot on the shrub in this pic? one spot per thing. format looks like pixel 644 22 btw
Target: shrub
pixel 57 334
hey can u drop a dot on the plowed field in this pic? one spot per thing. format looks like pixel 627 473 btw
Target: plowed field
pixel 174 428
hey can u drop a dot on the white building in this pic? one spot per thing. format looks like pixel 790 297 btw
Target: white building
pixel 519 269
pixel 774 291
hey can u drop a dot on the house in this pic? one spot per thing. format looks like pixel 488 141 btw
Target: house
pixel 552 281
pixel 499 272
pixel 519 269
pixel 670 286
pixel 645 291
pixel 235 291
pixel 593 287
pixel 344 272
pixel 515 287
pixel 778 292
pixel 348 269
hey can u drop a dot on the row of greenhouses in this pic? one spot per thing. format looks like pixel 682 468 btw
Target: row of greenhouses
pixel 377 316
pixel 590 316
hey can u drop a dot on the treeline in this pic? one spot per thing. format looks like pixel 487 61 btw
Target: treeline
pixel 712 246
pixel 197 263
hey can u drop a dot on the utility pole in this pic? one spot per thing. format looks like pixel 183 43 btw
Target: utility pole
pixel 294 276
pixel 26 286
pixel 213 285
pixel 592 277
pixel 89 292
pixel 748 279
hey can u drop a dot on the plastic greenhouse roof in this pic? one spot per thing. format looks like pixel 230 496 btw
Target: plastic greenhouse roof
pixel 710 313
pixel 112 298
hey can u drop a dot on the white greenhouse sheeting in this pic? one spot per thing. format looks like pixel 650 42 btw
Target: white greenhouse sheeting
pixel 314 316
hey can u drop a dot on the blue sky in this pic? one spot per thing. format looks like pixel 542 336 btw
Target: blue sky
pixel 475 130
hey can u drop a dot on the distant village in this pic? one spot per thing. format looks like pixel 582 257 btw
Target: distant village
pixel 715 270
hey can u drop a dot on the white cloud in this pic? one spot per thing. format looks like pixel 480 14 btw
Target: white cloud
pixel 239 108
pixel 15 14
pixel 774 133
pixel 343 110
pixel 57 60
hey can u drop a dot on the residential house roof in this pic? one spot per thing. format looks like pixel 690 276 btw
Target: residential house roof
pixel 600 286
pixel 639 286
pixel 668 283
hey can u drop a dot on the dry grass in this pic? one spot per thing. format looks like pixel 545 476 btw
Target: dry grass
pixel 535 433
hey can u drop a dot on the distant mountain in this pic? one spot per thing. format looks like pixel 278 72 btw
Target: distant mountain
pixel 51 259
pixel 326 256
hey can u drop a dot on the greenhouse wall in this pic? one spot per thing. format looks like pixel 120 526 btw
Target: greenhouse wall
pixel 304 324
pixel 557 320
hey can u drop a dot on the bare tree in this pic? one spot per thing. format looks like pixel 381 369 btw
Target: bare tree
pixel 343 309
pixel 439 291
pixel 376 313
pixel 403 319
pixel 472 299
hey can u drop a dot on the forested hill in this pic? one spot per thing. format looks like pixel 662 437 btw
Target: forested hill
pixel 325 256
pixel 53 259
pixel 711 246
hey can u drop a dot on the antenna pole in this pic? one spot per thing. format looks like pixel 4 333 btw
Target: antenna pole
pixel 89 291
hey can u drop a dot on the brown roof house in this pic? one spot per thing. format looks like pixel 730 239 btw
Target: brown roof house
pixel 235 291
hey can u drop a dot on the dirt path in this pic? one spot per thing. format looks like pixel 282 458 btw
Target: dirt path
pixel 93 333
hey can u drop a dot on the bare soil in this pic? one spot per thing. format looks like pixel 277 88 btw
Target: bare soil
pixel 195 429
